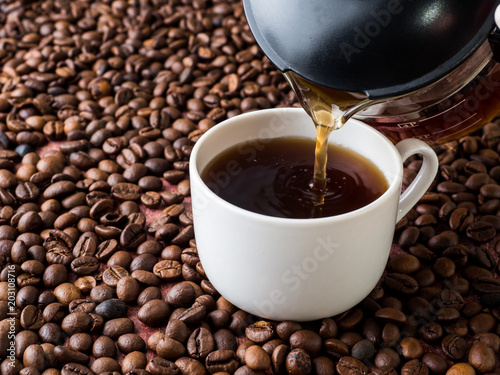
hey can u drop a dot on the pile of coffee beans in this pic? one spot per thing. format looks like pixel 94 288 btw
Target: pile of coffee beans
pixel 101 103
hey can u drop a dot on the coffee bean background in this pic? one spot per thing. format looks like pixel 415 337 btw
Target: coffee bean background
pixel 101 103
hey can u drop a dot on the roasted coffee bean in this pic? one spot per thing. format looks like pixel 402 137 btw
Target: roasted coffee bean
pixel 101 293
pixel 245 370
pixel 336 348
pixel 127 289
pixel 51 333
pixel 27 192
pixel 461 368
pixel 154 312
pixel 364 350
pixel 483 258
pixel 170 349
pixel 116 327
pixel 298 362
pixel 474 272
pixel 84 265
pixel 480 231
pixel 85 283
pixel 105 364
pixel 471 308
pixel 350 366
pixel 486 285
pixel 481 357
pixel 239 319
pixel 86 245
pixel 106 249
pixel 53 312
pixel 200 343
pixel 257 359
pixel 443 240
pixel 401 283
pixel 482 323
pixel 125 191
pixel 372 331
pixel 101 208
pixel 185 235
pixel 391 314
pixel 387 358
pixel 259 332
pixel 143 262
pixel 146 277
pixel 194 314
pixel 221 360
pixel 307 340
pixel 111 309
pixel 54 275
pixel 182 294
pixel 191 274
pixel 168 270
pixel 134 362
pixel 121 258
pixel 130 342
pixel 161 366
pixel 148 294
pixel 58 189
pixel 113 274
pixel 435 363
pixel 327 330
pixel 76 322
pixel 81 305
pixel 67 355
pixel 404 263
pixel 166 232
pixel 160 222
pixel 460 219
pixel 323 365
pixel 103 347
pixel 81 342
pixel 409 237
pixel 66 292
pixel 278 357
pixel 31 318
pixel 224 339
pixel 454 347
pixel 132 236
pixel 75 369
pixel 391 334
pixel 411 348
pixel 414 367
pixel 177 330
pixel 350 319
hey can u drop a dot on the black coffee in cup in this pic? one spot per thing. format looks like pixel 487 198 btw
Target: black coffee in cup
pixel 274 177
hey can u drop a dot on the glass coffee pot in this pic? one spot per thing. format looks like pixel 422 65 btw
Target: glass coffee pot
pixel 424 69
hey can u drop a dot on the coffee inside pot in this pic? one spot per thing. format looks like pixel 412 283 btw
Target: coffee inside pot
pixel 423 69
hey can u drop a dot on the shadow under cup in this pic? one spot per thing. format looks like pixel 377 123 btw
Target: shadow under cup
pixel 293 269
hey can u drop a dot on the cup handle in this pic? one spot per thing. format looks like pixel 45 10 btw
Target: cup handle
pixel 424 177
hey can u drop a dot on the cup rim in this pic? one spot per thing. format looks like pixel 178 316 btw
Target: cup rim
pixel 394 186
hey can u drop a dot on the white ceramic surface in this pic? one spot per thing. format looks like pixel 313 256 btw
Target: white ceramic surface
pixel 300 269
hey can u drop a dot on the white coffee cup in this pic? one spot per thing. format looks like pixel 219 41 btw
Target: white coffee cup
pixel 300 269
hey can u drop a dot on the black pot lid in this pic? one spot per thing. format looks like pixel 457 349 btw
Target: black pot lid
pixel 381 48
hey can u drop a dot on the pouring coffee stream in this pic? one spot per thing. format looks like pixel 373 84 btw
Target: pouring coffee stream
pixel 329 110
pixel 422 69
